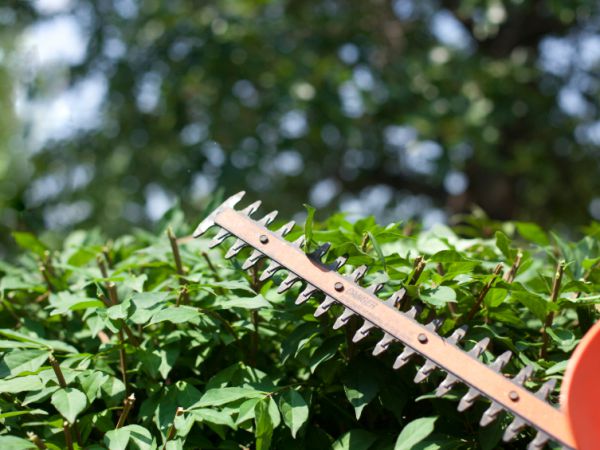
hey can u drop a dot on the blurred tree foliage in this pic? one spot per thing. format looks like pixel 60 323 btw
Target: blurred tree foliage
pixel 404 105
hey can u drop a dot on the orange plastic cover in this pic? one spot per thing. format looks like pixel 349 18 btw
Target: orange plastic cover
pixel 580 392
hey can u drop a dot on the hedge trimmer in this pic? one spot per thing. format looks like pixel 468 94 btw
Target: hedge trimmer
pixel 576 424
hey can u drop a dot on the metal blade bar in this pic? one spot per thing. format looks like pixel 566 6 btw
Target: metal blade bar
pixel 452 359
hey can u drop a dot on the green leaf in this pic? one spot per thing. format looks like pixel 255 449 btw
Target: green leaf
pixel 354 440
pixel 503 244
pixel 246 411
pixel 91 383
pixel 222 396
pixel 213 416
pixel 40 342
pixel 256 302
pixel 294 410
pixel 415 432
pixel 495 297
pixel 136 283
pixel 438 296
pixel 117 439
pixel 536 304
pixel 377 250
pixel 69 402
pixel 308 225
pixel 180 314
pixel 28 241
pixel 360 390
pixel 18 361
pixel 21 384
pixel 533 233
pixel 264 425
pixel 15 443
pixel 326 351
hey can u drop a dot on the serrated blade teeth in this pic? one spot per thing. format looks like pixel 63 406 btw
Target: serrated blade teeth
pixel 358 273
pixel 491 414
pixel 307 293
pixel 254 257
pixel 299 242
pixel 209 221
pixel 338 263
pixel 445 386
pixel 523 375
pixel 288 283
pixel 237 247
pixel 383 344
pixel 514 429
pixel 413 311
pixel 403 357
pixel 375 288
pixel 219 238
pixel 501 361
pixel 468 399
pixel 285 229
pixel 271 269
pixel 425 371
pixel 435 324
pixel 479 347
pixel 269 218
pixel 539 441
pixel 343 319
pixel 363 331
pixel 251 209
pixel 457 335
pixel 319 252
pixel 546 389
pixel 324 306
pixel 395 298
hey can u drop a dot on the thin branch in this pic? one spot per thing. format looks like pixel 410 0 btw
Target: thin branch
pixel 36 440
pixel 183 295
pixel 365 242
pixel 477 305
pixel 122 360
pixel 560 269
pixel 57 371
pixel 172 429
pixel 509 276
pixel 175 250
pixel 418 267
pixel 127 405
pixel 46 277
pixel 68 437
pixel 211 266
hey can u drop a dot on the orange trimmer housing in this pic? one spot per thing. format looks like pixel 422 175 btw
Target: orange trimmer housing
pixel 580 392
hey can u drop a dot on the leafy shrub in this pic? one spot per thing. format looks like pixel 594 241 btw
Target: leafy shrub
pixel 119 345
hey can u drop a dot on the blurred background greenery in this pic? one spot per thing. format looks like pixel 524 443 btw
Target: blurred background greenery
pixel 114 110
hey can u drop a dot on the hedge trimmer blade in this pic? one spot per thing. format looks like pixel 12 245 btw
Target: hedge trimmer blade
pixel 506 394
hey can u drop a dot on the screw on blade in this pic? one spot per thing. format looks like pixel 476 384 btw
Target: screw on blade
pixel 239 244
pixel 274 266
pixel 518 424
pixel 363 331
pixel 430 366
pixel 324 306
pixel 403 357
pixel 311 290
pixel 209 221
pixel 256 255
pixel 495 408
pixel 395 298
pixel 348 313
pixel 383 344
